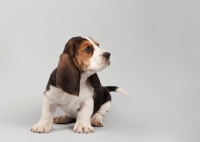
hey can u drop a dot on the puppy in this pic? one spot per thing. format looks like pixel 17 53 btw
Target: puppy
pixel 74 86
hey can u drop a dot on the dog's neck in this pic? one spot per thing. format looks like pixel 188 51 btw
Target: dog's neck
pixel 85 75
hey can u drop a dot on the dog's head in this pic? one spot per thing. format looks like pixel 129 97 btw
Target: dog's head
pixel 81 55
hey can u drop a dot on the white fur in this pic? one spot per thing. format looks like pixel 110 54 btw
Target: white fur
pixel 97 61
pixel 97 118
pixel 46 120
pixel 71 105
pixel 120 90
pixel 80 107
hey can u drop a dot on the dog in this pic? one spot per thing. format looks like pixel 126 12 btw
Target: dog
pixel 74 86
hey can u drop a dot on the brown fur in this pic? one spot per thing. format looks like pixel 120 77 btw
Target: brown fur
pixel 96 43
pixel 73 62
pixel 83 58
pixel 68 75
pixel 63 120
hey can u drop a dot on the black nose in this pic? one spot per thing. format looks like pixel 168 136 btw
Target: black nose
pixel 107 55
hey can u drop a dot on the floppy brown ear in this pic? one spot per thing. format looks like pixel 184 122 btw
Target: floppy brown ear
pixel 94 81
pixel 68 75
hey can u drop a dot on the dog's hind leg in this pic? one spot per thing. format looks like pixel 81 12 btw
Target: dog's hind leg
pixel 97 118
pixel 63 119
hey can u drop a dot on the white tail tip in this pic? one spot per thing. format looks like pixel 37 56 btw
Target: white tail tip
pixel 120 90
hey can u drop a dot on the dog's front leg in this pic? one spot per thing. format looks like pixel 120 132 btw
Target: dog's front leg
pixel 46 120
pixel 83 124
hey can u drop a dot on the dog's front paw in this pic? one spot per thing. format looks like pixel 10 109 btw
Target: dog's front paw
pixel 42 127
pixel 83 128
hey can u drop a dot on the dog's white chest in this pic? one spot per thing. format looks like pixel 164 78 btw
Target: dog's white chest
pixel 70 104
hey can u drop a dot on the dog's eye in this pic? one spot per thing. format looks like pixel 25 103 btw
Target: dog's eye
pixel 88 49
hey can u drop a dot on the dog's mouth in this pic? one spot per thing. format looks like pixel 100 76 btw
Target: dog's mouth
pixel 105 63
pixel 108 62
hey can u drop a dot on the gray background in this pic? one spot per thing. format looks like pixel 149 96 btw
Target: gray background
pixel 155 49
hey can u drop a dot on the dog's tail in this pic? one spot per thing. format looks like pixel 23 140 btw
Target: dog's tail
pixel 116 89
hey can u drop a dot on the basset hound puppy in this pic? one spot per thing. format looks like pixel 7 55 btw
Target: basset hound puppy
pixel 74 86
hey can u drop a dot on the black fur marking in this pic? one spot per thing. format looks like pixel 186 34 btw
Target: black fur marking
pixel 111 88
pixel 94 81
pixel 101 96
pixel 52 80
